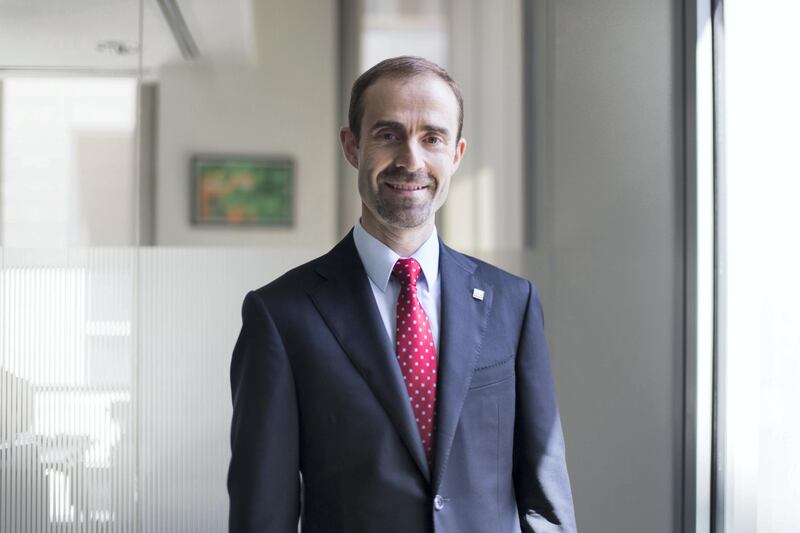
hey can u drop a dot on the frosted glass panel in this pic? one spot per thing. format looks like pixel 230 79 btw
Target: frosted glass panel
pixel 191 314
pixel 114 390
pixel 66 352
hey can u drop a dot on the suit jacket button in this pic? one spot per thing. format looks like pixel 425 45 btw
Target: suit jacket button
pixel 438 503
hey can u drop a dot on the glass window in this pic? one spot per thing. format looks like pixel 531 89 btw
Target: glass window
pixel 68 170
pixel 759 262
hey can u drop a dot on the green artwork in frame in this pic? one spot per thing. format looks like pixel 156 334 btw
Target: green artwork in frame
pixel 242 191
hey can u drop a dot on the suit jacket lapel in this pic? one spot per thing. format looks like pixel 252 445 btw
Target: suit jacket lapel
pixel 463 326
pixel 348 307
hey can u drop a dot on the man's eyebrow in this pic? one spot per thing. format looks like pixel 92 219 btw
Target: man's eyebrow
pixel 387 124
pixel 437 129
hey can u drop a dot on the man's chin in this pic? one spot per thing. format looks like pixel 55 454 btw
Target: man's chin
pixel 405 219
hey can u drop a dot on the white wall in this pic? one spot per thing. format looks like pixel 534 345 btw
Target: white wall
pixel 284 105
pixel 485 205
pixel 610 193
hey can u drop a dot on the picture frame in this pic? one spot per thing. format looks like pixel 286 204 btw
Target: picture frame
pixel 241 191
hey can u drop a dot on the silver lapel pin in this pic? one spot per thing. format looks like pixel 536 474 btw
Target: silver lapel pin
pixel 477 294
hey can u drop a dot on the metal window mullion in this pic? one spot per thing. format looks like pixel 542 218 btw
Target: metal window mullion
pixel 700 264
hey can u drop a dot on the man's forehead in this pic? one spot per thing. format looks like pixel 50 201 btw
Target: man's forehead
pixel 425 95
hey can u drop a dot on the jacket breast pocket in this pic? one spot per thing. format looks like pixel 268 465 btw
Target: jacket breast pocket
pixel 493 373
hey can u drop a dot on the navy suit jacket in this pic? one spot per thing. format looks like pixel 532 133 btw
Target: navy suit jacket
pixel 322 426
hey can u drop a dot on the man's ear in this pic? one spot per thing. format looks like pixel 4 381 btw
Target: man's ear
pixel 349 146
pixel 461 147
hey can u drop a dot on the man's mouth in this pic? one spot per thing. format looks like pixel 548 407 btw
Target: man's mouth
pixel 406 186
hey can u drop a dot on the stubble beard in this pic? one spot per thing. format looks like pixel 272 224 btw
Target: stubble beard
pixel 405 213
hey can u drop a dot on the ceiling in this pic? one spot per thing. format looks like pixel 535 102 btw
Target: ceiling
pixel 65 34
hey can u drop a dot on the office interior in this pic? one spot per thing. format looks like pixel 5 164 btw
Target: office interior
pixel 634 159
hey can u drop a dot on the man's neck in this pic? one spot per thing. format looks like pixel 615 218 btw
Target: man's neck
pixel 404 241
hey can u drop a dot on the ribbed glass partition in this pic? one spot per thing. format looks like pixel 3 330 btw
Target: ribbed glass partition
pixel 114 390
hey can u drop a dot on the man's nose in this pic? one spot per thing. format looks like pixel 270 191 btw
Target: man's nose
pixel 410 156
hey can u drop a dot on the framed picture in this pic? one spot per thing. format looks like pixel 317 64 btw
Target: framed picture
pixel 242 191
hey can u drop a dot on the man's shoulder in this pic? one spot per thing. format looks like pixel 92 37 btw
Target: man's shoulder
pixel 512 294
pixel 489 272
pixel 303 278
pixel 294 281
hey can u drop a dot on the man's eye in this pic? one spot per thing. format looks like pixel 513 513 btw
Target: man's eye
pixel 388 136
pixel 434 140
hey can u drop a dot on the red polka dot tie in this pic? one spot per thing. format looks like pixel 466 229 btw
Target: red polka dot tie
pixel 416 353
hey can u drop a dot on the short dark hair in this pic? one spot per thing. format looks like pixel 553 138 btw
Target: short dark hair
pixel 402 67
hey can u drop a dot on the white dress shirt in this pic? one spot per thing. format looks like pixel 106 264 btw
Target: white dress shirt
pixel 379 260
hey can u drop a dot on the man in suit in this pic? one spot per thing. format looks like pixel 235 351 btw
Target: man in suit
pixel 394 384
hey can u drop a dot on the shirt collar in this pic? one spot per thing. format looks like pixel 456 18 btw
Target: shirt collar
pixel 379 259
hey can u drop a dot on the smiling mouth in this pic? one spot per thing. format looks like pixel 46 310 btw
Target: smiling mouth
pixel 405 186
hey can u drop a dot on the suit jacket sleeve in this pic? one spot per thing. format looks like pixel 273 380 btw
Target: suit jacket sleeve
pixel 263 478
pixel 541 482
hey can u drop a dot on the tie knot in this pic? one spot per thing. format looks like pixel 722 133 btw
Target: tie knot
pixel 407 271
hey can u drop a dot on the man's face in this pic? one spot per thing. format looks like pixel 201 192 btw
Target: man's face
pixel 407 151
